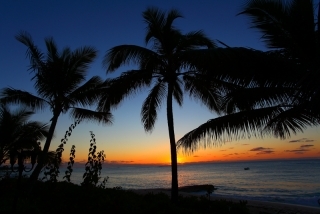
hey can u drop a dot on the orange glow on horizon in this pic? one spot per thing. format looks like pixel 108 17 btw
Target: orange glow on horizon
pixel 233 151
pixel 214 157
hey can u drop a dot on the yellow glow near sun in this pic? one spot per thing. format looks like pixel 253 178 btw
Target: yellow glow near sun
pixel 180 160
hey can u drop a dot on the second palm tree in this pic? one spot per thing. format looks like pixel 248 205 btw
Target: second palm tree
pixel 167 68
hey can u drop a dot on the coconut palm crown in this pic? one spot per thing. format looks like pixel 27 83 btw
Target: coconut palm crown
pixel 17 131
pixel 60 82
pixel 291 28
pixel 282 96
pixel 167 68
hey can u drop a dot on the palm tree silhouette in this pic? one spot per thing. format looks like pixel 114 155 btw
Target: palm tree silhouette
pixel 167 68
pixel 60 83
pixel 291 29
pixel 282 95
pixel 17 131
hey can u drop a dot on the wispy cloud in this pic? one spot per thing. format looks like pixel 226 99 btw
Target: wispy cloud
pixel 306 146
pixel 245 144
pixel 195 156
pixel 259 149
pixel 297 151
pixel 302 149
pixel 262 150
pixel 302 140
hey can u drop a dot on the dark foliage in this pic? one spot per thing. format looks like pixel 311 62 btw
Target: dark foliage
pixel 64 197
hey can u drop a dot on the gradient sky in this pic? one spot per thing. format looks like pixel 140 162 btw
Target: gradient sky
pixel 105 24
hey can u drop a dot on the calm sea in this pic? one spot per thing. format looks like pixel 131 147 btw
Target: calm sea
pixel 287 181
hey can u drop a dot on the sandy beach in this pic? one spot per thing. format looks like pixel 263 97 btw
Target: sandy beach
pixel 256 207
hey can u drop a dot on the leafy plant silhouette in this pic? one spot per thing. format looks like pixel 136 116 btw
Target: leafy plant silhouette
pixel 93 167
pixel 69 170
pixel 52 168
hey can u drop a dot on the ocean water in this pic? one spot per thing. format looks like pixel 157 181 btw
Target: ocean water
pixel 287 181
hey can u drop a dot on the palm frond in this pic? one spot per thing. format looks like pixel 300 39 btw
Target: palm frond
pixel 171 16
pixel 126 54
pixel 287 25
pixel 155 20
pixel 194 40
pixel 302 28
pixel 29 134
pixel 152 63
pixel 203 89
pixel 127 84
pixel 17 131
pixel 160 29
pixel 36 130
pixel 105 92
pixel 14 96
pixel 51 81
pixel 75 67
pixel 177 91
pixel 220 61
pixel 86 94
pixel 240 125
pixel 89 115
pixel 66 55
pixel 246 98
pixel 242 65
pixel 18 116
pixel 268 16
pixel 81 59
pixel 151 104
pixel 52 51
pixel 35 55
pixel 292 120
pixel 63 75
pixel 12 124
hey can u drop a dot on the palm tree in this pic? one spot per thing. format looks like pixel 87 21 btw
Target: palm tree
pixel 60 83
pixel 17 131
pixel 291 29
pixel 166 68
pixel 271 106
pixel 287 26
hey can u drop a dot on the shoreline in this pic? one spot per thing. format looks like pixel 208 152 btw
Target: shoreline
pixel 255 206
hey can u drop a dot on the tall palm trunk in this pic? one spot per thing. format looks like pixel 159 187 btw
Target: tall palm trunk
pixel 173 148
pixel 35 174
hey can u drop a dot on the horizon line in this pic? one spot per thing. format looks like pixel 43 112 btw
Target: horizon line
pixel 198 162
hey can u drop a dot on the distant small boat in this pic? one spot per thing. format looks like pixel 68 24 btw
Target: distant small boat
pixel 246 168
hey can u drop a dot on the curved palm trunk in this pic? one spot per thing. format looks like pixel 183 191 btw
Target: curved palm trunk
pixel 35 174
pixel 173 148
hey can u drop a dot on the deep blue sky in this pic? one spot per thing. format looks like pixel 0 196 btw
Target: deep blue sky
pixel 103 25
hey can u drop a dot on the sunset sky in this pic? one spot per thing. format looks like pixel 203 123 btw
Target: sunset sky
pixel 105 24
